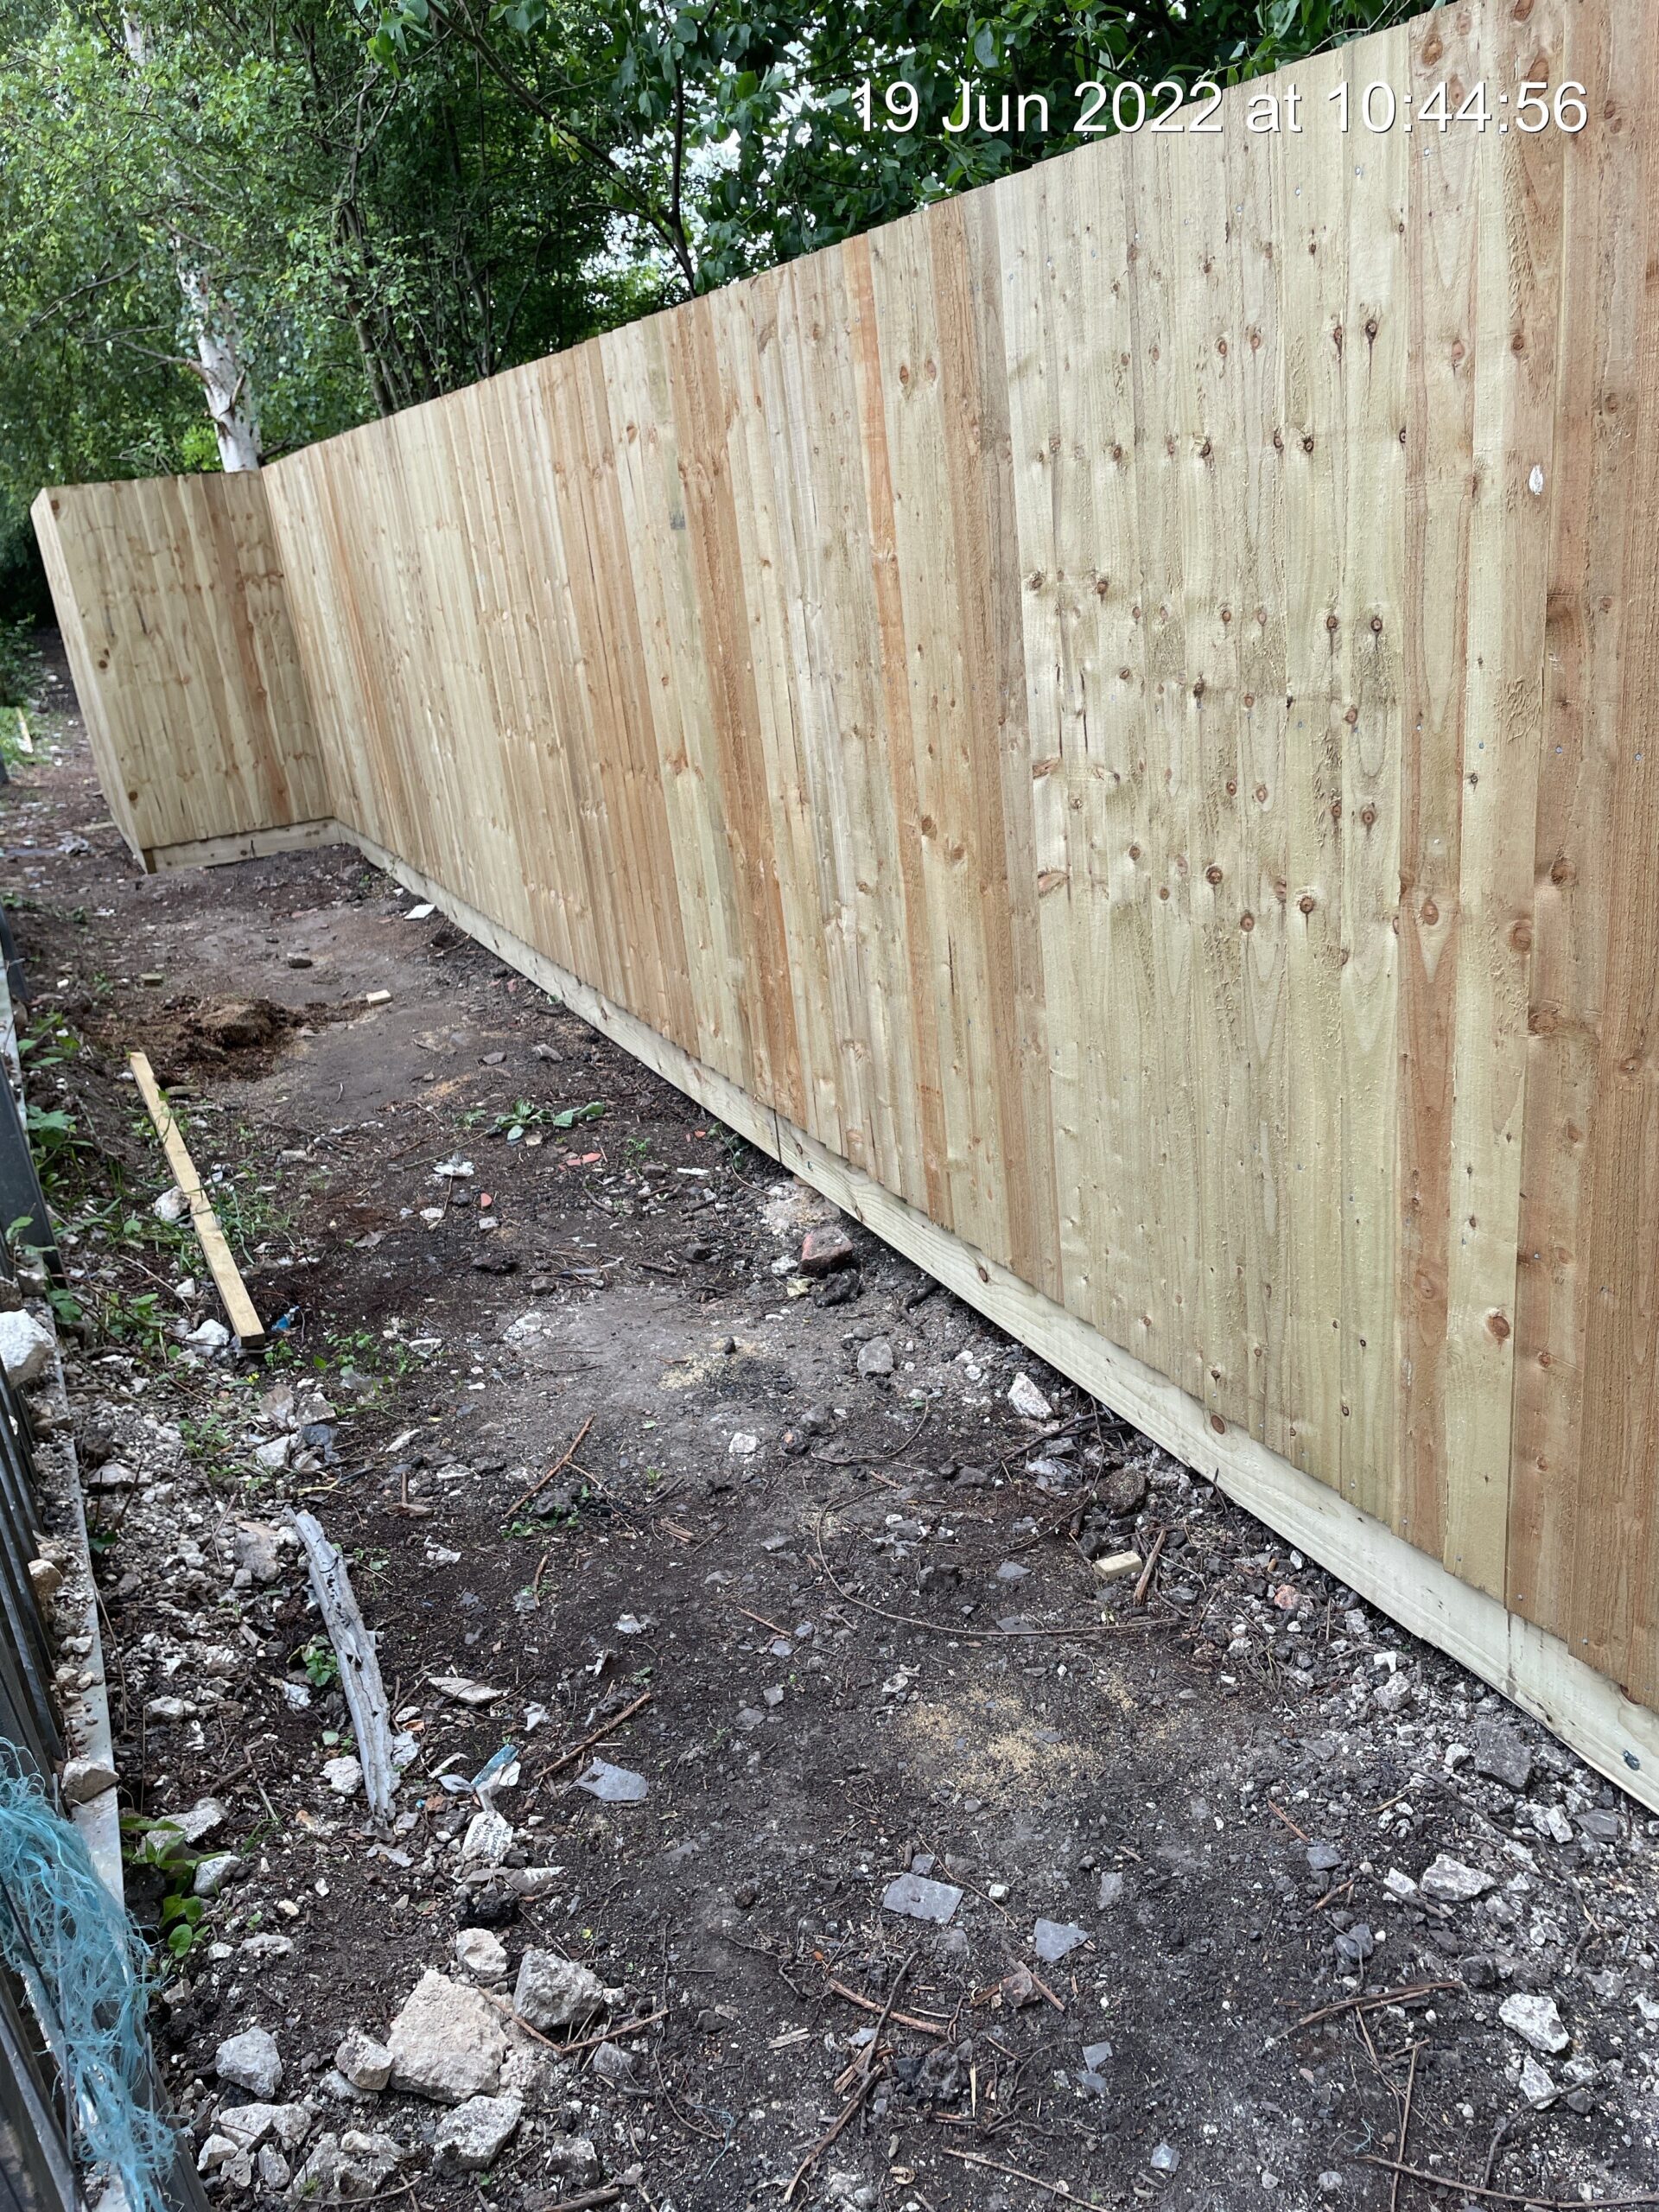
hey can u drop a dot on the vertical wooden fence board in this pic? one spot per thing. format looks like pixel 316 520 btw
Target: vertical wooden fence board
pixel 1517 247
pixel 1449 47
pixel 1256 526
pixel 1592 554
pixel 1109 721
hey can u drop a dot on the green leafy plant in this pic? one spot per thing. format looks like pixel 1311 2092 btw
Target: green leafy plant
pixel 321 1662
pixel 526 1114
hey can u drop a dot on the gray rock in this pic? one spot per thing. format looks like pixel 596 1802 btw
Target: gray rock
pixel 1501 1757
pixel 254 1548
pixel 612 2063
pixel 1535 2020
pixel 1164 2160
pixel 1446 1880
pixel 612 1785
pixel 474 2134
pixel 199 1820
pixel 274 2171
pixel 1392 1691
pixel 480 1953
pixel 535 2076
pixel 922 1899
pixel 555 1993
pixel 248 2126
pixel 1601 1827
pixel 1026 1399
pixel 250 2062
pixel 1355 1945
pixel 1052 1939
pixel 25 1348
pixel 875 1358
pixel 355 2164
pixel 1536 2085
pixel 1111 1889
pixel 212 1873
pixel 572 2158
pixel 83 1779
pixel 448 2043
pixel 363 2062
pixel 215 2150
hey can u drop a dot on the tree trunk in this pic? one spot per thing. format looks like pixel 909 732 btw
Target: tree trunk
pixel 212 324
pixel 224 374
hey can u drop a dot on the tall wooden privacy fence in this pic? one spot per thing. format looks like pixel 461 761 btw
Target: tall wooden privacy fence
pixel 1110 725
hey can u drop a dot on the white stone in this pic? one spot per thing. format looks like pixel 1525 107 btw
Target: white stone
pixel 215 2150
pixel 875 1358
pixel 1536 2085
pixel 247 2125
pixel 83 1779
pixel 212 1873
pixel 356 2164
pixel 555 1993
pixel 1393 1691
pixel 473 2135
pixel 535 2076
pixel 209 1336
pixel 344 1775
pixel 1535 2020
pixel 254 1548
pixel 1027 1399
pixel 251 2062
pixel 480 1953
pixel 1448 1881
pixel 448 2042
pixel 199 1820
pixel 25 1348
pixel 365 2063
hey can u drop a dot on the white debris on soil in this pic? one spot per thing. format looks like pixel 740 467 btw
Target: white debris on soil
pixel 448 2042
pixel 552 1992
pixel 250 2061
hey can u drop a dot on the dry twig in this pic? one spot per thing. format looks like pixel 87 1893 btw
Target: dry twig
pixel 557 1468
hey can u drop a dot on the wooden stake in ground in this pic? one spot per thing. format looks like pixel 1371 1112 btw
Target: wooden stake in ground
pixel 250 1332
pixel 359 1670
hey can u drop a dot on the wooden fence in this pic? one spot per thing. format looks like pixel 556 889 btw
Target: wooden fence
pixel 1108 724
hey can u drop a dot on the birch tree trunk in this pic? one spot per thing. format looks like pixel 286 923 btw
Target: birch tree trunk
pixel 224 374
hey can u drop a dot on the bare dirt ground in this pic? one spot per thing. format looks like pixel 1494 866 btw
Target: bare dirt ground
pixel 841 1588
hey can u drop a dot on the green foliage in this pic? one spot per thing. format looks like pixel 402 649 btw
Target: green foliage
pixel 20 673
pixel 321 1662
pixel 371 242
pixel 381 202
pixel 725 135
pixel 160 1844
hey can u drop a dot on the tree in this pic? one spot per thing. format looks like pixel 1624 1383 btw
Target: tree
pixel 240 202
pixel 727 134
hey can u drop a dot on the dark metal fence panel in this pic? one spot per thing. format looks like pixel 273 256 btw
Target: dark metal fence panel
pixel 37 2168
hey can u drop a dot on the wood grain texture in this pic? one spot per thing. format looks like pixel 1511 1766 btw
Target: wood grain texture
pixel 1115 712
pixel 176 623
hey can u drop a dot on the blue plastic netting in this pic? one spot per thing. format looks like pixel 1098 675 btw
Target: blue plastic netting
pixel 84 1967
